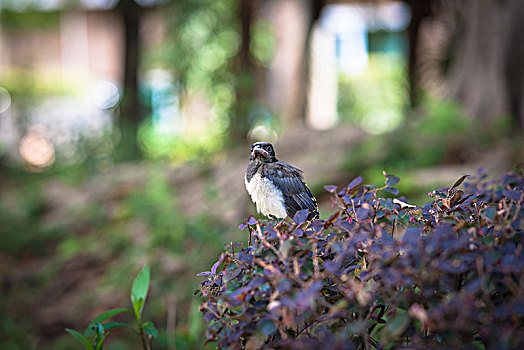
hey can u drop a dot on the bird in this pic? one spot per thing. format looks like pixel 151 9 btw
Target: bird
pixel 276 187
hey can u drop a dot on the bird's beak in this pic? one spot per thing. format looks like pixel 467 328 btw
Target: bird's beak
pixel 258 150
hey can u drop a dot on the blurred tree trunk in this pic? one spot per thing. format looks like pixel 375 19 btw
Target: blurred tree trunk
pixel 420 10
pixel 314 10
pixel 514 67
pixel 245 87
pixel 477 52
pixel 288 75
pixel 131 110
pixel 476 73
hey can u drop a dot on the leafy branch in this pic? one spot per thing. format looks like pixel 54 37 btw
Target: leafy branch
pixel 96 332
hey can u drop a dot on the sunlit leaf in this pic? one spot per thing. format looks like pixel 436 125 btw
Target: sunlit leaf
pixel 139 289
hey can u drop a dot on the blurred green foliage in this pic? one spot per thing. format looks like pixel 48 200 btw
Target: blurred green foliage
pixel 262 45
pixel 38 84
pixel 29 19
pixel 200 52
pixel 436 133
pixel 375 100
pixel 204 39
pixel 60 242
pixel 158 145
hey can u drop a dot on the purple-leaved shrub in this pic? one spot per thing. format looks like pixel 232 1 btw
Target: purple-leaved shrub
pixel 379 273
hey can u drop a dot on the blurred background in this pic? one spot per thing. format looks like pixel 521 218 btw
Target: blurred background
pixel 125 128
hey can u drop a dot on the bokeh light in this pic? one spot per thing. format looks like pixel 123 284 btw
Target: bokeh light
pixel 262 133
pixel 5 100
pixel 106 95
pixel 36 148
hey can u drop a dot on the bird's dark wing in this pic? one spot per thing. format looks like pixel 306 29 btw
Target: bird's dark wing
pixel 290 181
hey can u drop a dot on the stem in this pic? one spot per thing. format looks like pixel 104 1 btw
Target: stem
pixel 315 259
pixel 142 334
pixel 143 339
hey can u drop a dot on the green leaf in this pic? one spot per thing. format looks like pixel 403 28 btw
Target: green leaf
pixel 489 214
pixel 394 328
pixel 111 325
pixel 108 314
pixel 138 306
pixel 139 290
pixel 150 329
pixel 81 338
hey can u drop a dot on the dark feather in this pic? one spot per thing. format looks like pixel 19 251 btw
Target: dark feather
pixel 290 181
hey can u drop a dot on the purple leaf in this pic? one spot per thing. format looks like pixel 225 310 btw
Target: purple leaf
pixel 215 266
pixel 511 194
pixel 392 180
pixel 362 213
pixel 298 232
pixel 331 188
pixel 301 216
pixel 348 199
pixel 205 273
pixel 252 221
pixel 392 190
pixel 355 182
pixel 271 233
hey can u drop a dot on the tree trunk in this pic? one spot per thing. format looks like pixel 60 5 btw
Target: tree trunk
pixel 420 10
pixel 514 68
pixel 131 110
pixel 315 9
pixel 245 88
pixel 476 73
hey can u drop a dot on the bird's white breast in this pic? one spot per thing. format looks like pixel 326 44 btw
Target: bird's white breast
pixel 266 196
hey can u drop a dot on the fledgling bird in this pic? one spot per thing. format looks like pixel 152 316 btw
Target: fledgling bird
pixel 277 188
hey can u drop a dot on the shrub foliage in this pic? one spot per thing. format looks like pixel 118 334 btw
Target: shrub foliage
pixel 379 273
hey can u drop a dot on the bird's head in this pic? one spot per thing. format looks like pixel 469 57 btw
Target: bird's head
pixel 263 151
